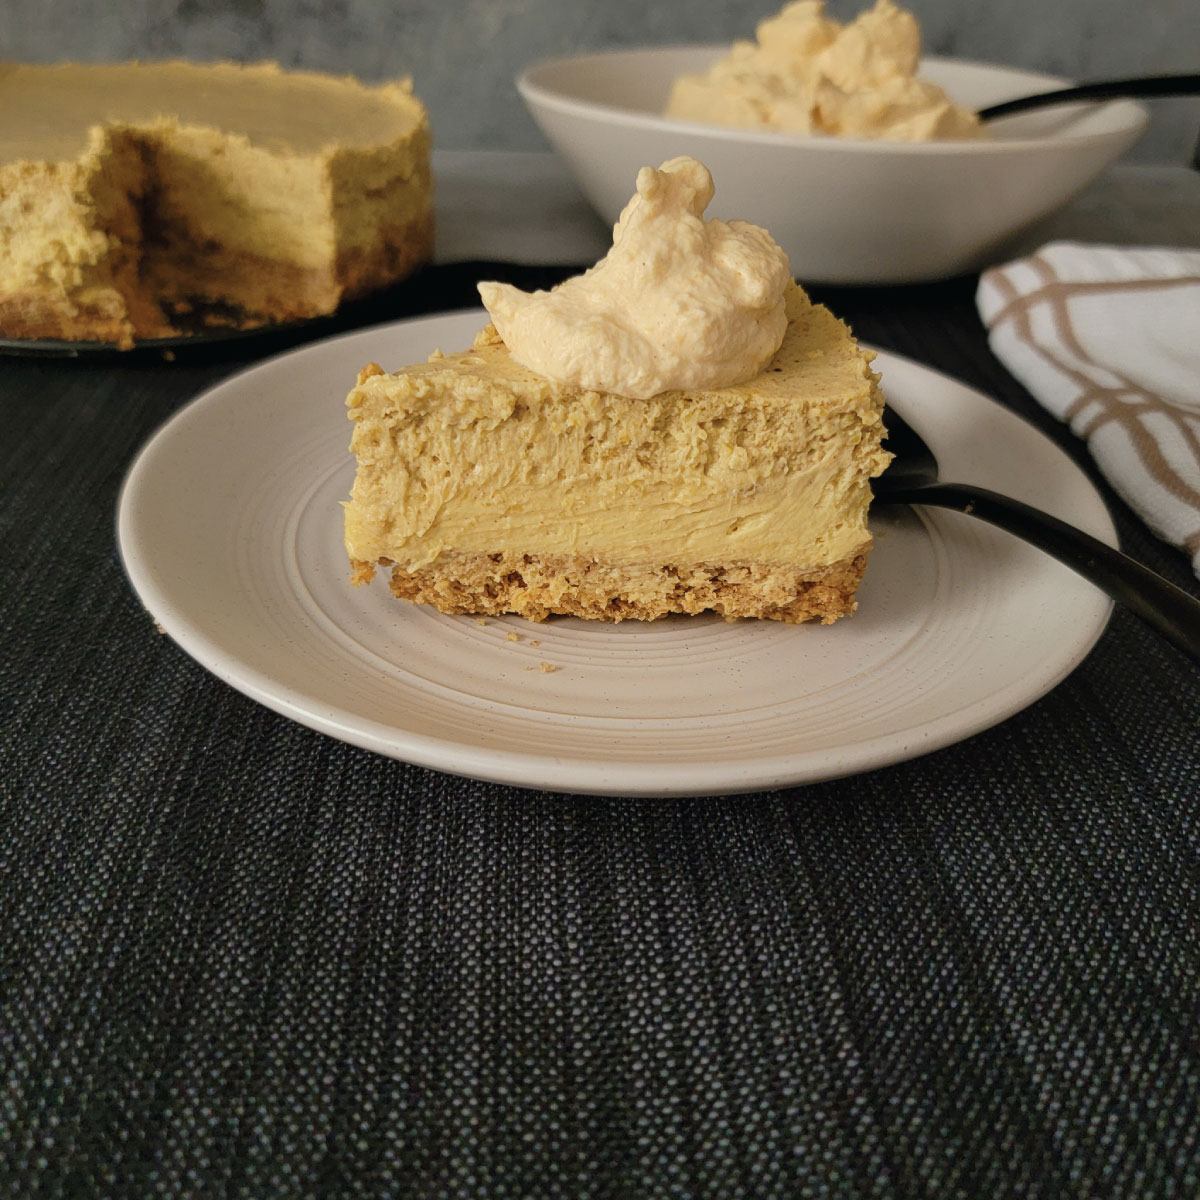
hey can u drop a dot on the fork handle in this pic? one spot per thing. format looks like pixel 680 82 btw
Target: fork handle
pixel 1111 89
pixel 1169 609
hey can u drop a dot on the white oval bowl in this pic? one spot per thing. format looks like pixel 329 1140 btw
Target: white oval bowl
pixel 845 210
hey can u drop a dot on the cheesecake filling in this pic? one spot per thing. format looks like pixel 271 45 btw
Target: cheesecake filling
pixel 678 302
pixel 492 460
pixel 710 500
pixel 806 73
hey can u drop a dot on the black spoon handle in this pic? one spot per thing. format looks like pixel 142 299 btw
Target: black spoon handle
pixel 1169 609
pixel 1110 89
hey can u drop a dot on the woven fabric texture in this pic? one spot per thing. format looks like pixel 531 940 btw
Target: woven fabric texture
pixel 241 959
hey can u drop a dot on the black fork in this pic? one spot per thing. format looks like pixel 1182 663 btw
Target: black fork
pixel 1146 86
pixel 913 479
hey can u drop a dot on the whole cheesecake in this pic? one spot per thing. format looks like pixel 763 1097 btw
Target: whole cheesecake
pixel 139 198
pixel 487 488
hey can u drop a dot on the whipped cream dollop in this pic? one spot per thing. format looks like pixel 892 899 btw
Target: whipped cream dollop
pixel 678 302
pixel 807 73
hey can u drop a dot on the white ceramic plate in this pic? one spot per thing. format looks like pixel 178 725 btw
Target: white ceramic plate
pixel 230 529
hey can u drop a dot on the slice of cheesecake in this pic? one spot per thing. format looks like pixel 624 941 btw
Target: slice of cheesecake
pixel 489 489
pixel 135 195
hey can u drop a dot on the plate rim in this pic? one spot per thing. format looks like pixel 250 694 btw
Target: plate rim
pixel 576 775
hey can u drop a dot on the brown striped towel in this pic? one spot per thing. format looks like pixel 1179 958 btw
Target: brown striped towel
pixel 1108 339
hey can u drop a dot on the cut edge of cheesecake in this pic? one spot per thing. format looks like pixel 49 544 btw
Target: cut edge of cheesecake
pixel 538 581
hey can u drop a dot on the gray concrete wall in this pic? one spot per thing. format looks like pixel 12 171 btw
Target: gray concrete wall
pixel 463 54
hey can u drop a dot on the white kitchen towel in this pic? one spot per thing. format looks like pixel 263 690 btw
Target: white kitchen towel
pixel 1107 338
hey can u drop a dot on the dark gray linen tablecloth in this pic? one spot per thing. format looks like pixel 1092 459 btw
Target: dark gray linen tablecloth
pixel 240 958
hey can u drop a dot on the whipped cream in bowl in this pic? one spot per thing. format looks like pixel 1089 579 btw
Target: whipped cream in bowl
pixel 678 302
pixel 806 73
pixel 847 210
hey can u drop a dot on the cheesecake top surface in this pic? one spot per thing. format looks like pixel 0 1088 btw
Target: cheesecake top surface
pixel 819 363
pixel 46 111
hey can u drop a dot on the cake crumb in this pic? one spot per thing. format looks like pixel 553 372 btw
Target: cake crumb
pixel 480 622
pixel 512 636
pixel 546 668
pixel 534 642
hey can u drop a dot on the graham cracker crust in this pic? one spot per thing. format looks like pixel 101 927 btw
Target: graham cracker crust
pixel 400 252
pixel 251 290
pixel 262 290
pixel 104 316
pixel 536 587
